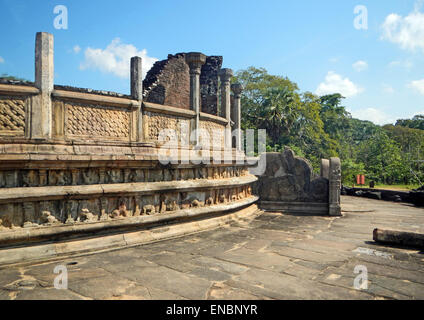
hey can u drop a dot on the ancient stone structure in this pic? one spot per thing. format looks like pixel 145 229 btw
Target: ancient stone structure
pixel 225 77
pixel 289 184
pixel 335 183
pixel 76 162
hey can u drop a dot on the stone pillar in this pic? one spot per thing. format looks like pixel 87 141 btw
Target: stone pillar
pixel 137 94
pixel 237 89
pixel 41 111
pixel 335 187
pixel 325 168
pixel 195 60
pixel 225 77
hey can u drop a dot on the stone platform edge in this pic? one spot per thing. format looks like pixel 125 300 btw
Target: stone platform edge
pixel 244 210
pixel 306 208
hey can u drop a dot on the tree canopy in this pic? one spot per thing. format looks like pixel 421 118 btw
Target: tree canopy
pixel 320 127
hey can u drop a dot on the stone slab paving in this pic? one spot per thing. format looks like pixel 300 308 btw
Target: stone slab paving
pixel 276 256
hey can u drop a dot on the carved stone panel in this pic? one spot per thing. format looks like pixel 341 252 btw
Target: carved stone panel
pixel 215 132
pixel 97 122
pixel 12 116
pixel 158 122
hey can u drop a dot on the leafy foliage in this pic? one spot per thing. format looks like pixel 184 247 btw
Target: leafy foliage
pixel 320 127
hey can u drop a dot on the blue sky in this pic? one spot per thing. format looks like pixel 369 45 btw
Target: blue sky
pixel 315 43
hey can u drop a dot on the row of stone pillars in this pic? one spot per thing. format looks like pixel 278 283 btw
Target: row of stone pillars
pixel 41 123
pixel 196 60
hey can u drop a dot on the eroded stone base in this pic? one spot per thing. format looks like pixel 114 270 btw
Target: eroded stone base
pixel 187 223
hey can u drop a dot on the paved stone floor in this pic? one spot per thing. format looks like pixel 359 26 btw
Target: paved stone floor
pixel 276 256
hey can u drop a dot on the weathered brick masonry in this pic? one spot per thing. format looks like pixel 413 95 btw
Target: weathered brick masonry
pixel 168 83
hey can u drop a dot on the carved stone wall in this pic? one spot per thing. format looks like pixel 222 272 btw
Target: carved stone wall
pixel 97 121
pixel 25 178
pixel 215 131
pixel 12 115
pixel 109 207
pixel 156 122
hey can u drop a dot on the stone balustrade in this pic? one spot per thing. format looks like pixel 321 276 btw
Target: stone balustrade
pixel 77 159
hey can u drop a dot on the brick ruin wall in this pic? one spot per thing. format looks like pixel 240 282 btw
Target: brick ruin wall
pixel 209 86
pixel 168 83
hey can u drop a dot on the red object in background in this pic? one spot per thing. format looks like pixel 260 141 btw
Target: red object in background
pixel 360 179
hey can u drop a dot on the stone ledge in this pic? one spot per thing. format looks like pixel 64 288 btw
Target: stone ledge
pixel 174 111
pixel 16 195
pixel 24 151
pixel 95 98
pixel 307 208
pixel 9 89
pixel 51 251
pixel 213 118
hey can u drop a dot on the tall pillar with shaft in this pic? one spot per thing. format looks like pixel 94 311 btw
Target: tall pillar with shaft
pixel 225 77
pixel 137 94
pixel 41 111
pixel 237 89
pixel 195 61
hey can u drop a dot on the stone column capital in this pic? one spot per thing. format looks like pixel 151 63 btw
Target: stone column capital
pixel 195 61
pixel 237 89
pixel 225 74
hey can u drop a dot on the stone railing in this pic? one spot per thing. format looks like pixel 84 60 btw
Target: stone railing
pixel 44 112
pixel 75 161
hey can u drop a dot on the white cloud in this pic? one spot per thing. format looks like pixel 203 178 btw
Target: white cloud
pixel 421 113
pixel 417 85
pixel 335 83
pixel 77 49
pixel 360 65
pixel 115 59
pixel 1 60
pixel 404 64
pixel 374 115
pixel 388 88
pixel 408 31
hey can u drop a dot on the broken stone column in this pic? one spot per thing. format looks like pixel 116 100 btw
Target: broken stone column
pixel 41 111
pixel 335 187
pixel 137 94
pixel 225 77
pixel 195 60
pixel 237 89
pixel 325 168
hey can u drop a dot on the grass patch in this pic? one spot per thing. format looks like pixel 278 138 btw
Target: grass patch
pixel 396 187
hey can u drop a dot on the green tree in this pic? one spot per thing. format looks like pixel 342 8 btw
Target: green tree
pixel 416 122
pixel 382 157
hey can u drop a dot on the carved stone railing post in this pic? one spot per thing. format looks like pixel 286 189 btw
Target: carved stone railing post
pixel 325 168
pixel 137 94
pixel 41 111
pixel 237 89
pixel 195 60
pixel 225 77
pixel 335 187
